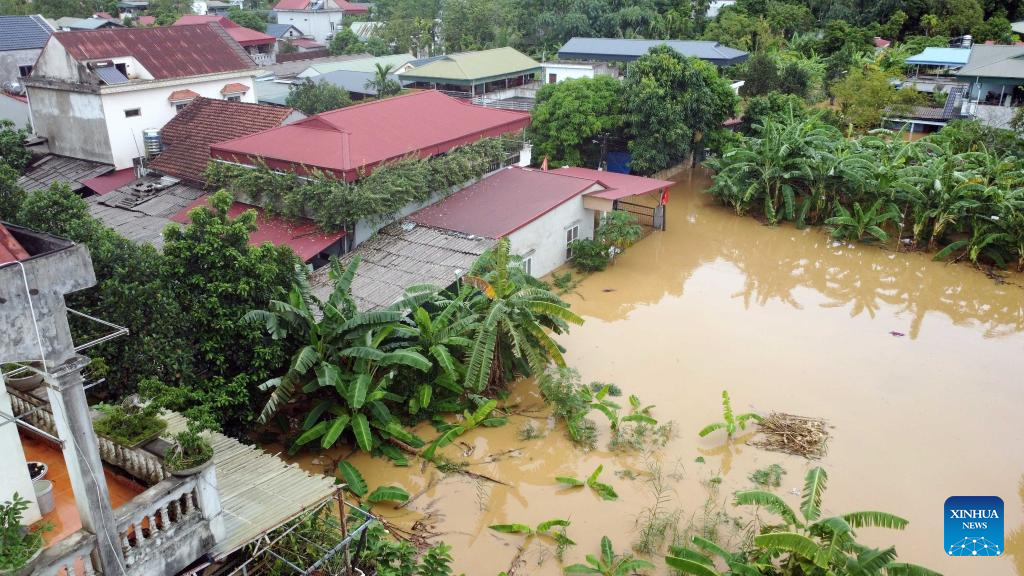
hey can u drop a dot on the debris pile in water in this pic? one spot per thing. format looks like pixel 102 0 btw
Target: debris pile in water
pixel 792 434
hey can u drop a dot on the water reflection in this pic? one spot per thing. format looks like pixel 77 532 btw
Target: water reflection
pixel 800 268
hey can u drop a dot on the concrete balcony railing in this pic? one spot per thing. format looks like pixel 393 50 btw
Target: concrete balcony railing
pixel 262 59
pixel 72 556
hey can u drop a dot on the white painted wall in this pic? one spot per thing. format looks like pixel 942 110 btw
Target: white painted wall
pixel 543 240
pixel 14 473
pixel 566 71
pixel 14 110
pixel 125 134
pixel 319 25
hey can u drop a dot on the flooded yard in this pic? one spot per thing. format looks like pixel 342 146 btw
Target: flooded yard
pixel 916 365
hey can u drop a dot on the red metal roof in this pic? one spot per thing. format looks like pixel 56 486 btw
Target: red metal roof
pixel 503 202
pixel 146 20
pixel 306 43
pixel 186 138
pixel 881 42
pixel 302 236
pixel 167 52
pixel 110 181
pixel 242 35
pixel 617 185
pixel 10 249
pixel 346 7
pixel 349 142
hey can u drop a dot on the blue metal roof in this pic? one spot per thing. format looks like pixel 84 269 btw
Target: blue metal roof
pixel 23 32
pixel 627 50
pixel 953 57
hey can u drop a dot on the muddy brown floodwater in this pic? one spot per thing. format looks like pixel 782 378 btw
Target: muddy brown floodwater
pixel 785 320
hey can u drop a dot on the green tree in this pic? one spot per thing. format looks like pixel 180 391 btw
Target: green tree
pixel 788 18
pixel 475 25
pixel 762 75
pixel 376 46
pixel 619 229
pixel 383 81
pixel 12 146
pixel 570 115
pixel 248 19
pixel 345 41
pixel 11 195
pixel 959 17
pixel 930 24
pixel 670 103
pixel 996 28
pixel 313 97
pixel 795 79
pixel 864 96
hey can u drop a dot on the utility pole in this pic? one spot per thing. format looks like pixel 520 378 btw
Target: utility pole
pixel 602 164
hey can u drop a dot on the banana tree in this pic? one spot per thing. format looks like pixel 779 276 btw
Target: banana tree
pixel 863 224
pixel 515 314
pixel 344 369
pixel 609 563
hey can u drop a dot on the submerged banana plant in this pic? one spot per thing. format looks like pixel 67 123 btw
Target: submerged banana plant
pixel 732 422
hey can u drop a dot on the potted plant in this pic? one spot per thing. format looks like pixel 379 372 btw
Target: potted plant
pixel 191 452
pixel 37 470
pixel 130 423
pixel 28 379
pixel 19 547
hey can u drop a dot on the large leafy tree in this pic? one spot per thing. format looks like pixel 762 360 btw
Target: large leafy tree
pixel 248 18
pixel 12 146
pixel 670 102
pixel 570 115
pixel 312 97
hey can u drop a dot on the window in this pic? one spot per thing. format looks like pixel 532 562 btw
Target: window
pixel 233 98
pixel 552 78
pixel 571 235
pixel 122 68
pixel 25 71
pixel 132 112
pixel 179 106
pixel 526 262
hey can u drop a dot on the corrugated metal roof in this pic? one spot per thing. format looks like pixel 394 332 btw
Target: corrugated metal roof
pixel 279 30
pixel 618 185
pixel 994 62
pixel 355 82
pixel 475 66
pixel 397 258
pixel 71 171
pixel 626 50
pixel 166 52
pixel 346 7
pixel 23 32
pixel 933 56
pixel 142 222
pixel 242 35
pixel 356 65
pixel 350 141
pixel 503 202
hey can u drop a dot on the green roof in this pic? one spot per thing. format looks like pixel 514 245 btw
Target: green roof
pixel 360 65
pixel 474 66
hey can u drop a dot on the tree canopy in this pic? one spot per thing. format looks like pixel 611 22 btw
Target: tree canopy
pixel 313 97
pixel 569 115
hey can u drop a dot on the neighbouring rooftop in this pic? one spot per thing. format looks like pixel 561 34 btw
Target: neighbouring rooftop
pixel 478 66
pixel 242 35
pixel 1005 62
pixel 932 56
pixel 361 64
pixel 627 50
pixel 349 142
pixel 54 169
pixel 24 32
pixel 312 5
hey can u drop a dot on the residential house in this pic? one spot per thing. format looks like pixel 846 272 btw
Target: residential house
pixel 715 8
pixel 67 23
pixel 283 31
pixel 357 83
pixel 492 75
pixel 397 62
pixel 214 7
pixel 349 143
pixel 307 45
pixel 995 79
pixel 559 70
pixel 114 509
pixel 318 19
pixel 541 212
pixel 94 93
pixel 627 50
pixel 21 40
pixel 133 8
pixel 261 47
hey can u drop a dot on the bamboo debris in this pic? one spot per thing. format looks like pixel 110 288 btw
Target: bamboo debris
pixel 791 434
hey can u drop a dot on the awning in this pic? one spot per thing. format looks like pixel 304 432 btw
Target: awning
pixel 952 57
pixel 618 185
pixel 303 236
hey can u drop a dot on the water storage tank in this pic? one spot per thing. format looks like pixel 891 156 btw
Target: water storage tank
pixel 151 141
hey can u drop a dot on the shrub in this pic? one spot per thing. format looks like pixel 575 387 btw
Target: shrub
pixel 17 546
pixel 191 449
pixel 589 255
pixel 129 423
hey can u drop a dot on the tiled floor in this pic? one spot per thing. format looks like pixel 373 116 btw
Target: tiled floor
pixel 64 516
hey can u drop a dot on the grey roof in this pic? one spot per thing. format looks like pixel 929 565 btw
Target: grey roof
pixel 364 30
pixel 23 32
pixel 73 23
pixel 269 92
pixel 399 257
pixel 627 50
pixel 52 168
pixel 355 81
pixel 421 61
pixel 279 30
pixel 142 218
pixel 294 67
pixel 994 62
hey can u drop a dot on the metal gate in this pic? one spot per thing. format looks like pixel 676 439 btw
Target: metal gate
pixel 650 217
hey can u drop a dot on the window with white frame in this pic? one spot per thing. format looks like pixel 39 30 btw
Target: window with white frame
pixel 572 234
pixel 233 97
pixel 526 262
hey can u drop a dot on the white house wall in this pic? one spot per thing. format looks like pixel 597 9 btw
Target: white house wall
pixel 10 60
pixel 14 110
pixel 566 71
pixel 125 134
pixel 543 240
pixel 14 473
pixel 318 25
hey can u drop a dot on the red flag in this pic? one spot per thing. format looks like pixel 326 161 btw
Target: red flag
pixel 544 164
pixel 664 196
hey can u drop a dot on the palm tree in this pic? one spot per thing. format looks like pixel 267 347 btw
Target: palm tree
pixel 345 366
pixel 515 314
pixel 382 83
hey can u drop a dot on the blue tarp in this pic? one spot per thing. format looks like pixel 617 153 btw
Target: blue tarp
pixel 952 57
pixel 618 162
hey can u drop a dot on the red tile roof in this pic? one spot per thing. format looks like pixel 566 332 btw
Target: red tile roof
pixel 10 249
pixel 180 95
pixel 186 138
pixel 306 43
pixel 349 142
pixel 111 181
pixel 504 202
pixel 302 236
pixel 346 7
pixel 617 185
pixel 881 42
pixel 167 52
pixel 242 35
pixel 234 88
